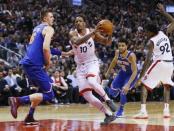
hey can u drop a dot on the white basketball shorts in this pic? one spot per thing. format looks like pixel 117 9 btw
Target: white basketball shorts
pixel 159 71
pixel 90 69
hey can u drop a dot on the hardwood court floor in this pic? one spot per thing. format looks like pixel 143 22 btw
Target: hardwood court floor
pixel 84 117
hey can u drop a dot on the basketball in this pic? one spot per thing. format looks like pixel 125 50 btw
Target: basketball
pixel 106 26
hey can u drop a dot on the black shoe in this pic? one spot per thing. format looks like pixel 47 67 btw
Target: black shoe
pixel 108 119
pixel 29 120
pixel 111 105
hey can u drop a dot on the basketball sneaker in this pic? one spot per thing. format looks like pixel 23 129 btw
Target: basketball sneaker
pixel 166 113
pixel 141 115
pixel 111 105
pixel 119 113
pixel 108 119
pixel 14 104
pixel 29 120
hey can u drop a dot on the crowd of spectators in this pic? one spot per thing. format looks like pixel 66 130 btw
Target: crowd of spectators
pixel 17 19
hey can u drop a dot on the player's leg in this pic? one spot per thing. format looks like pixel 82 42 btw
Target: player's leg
pixel 166 111
pixel 44 83
pixel 92 80
pixel 15 102
pixel 120 82
pixel 150 80
pixel 143 111
pixel 92 77
pixel 98 104
pixel 36 99
pixel 167 84
pixel 115 90
pixel 42 80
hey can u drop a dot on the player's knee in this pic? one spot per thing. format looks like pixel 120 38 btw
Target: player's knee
pixel 92 81
pixel 114 92
pixel 48 96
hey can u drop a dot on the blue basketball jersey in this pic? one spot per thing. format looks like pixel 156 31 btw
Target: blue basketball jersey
pixel 123 76
pixel 124 64
pixel 34 54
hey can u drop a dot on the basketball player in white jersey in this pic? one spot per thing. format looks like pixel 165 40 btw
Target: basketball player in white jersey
pixel 159 71
pixel 82 41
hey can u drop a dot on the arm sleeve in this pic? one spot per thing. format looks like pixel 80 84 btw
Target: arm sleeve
pixel 56 51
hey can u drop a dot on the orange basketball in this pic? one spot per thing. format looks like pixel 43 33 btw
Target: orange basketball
pixel 106 26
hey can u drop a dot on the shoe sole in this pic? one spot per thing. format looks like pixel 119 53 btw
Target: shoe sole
pixel 120 116
pixel 106 123
pixel 31 123
pixel 140 117
pixel 11 104
pixel 166 116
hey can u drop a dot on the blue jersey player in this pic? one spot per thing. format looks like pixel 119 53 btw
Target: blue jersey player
pixel 127 75
pixel 35 62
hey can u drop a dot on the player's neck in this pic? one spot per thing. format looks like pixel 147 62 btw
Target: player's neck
pixel 82 31
pixel 124 54
pixel 45 23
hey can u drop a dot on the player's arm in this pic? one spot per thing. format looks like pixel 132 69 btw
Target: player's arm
pixel 161 9
pixel 66 54
pixel 163 12
pixel 132 60
pixel 55 51
pixel 79 40
pixel 47 33
pixel 147 62
pixel 113 63
pixel 103 40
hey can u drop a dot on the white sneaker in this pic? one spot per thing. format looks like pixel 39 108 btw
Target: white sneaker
pixel 141 115
pixel 166 113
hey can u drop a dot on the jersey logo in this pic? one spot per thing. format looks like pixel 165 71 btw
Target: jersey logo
pixel 145 77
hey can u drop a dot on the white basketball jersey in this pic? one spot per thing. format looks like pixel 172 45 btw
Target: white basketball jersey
pixel 162 49
pixel 85 52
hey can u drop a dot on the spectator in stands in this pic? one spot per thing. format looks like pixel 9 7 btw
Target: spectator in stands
pixel 5 91
pixel 12 83
pixel 72 81
pixel 60 87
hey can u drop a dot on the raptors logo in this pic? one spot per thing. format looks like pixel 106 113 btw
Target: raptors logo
pixel 145 77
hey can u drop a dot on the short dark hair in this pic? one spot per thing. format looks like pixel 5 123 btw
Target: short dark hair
pixel 123 40
pixel 151 27
pixel 43 13
pixel 82 16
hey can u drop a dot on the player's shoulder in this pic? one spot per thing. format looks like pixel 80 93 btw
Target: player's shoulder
pixel 131 55
pixel 49 28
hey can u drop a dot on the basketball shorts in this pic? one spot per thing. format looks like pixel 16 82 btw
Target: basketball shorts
pixel 90 69
pixel 159 71
pixel 38 77
pixel 118 83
